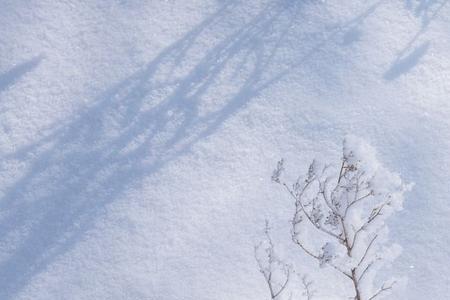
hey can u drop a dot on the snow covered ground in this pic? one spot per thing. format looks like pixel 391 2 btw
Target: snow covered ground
pixel 137 138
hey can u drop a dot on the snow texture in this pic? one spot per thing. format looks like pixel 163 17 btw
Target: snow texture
pixel 138 138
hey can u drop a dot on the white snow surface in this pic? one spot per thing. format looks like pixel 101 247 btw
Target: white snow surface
pixel 138 138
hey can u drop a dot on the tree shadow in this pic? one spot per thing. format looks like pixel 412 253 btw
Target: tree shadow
pixel 426 10
pixel 10 77
pixel 408 57
pixel 403 65
pixel 134 129
pixel 351 30
pixel 131 131
pixel 352 36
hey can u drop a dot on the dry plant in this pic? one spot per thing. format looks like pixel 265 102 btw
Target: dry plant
pixel 339 217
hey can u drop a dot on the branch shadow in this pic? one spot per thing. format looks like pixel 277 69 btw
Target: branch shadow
pixel 134 129
pixel 426 10
pixel 131 131
pixel 403 65
pixel 10 77
pixel 408 57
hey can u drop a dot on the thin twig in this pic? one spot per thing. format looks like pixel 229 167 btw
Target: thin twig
pixel 381 290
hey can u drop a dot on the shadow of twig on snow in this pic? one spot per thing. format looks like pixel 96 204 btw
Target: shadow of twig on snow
pixel 10 77
pixel 426 10
pixel 130 132
pixel 404 64
pixel 408 57
pixel 138 126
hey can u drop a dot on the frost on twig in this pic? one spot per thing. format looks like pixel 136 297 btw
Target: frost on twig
pixel 345 209
pixel 276 273
pixel 307 286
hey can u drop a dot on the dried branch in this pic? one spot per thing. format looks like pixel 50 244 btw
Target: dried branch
pixel 319 258
pixel 299 203
pixel 382 290
pixel 358 200
pixel 267 267
pixel 283 286
pixel 367 250
pixel 309 293
pixel 366 269
pixel 341 170
pixel 330 204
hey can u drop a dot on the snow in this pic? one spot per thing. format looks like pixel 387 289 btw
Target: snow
pixel 138 138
